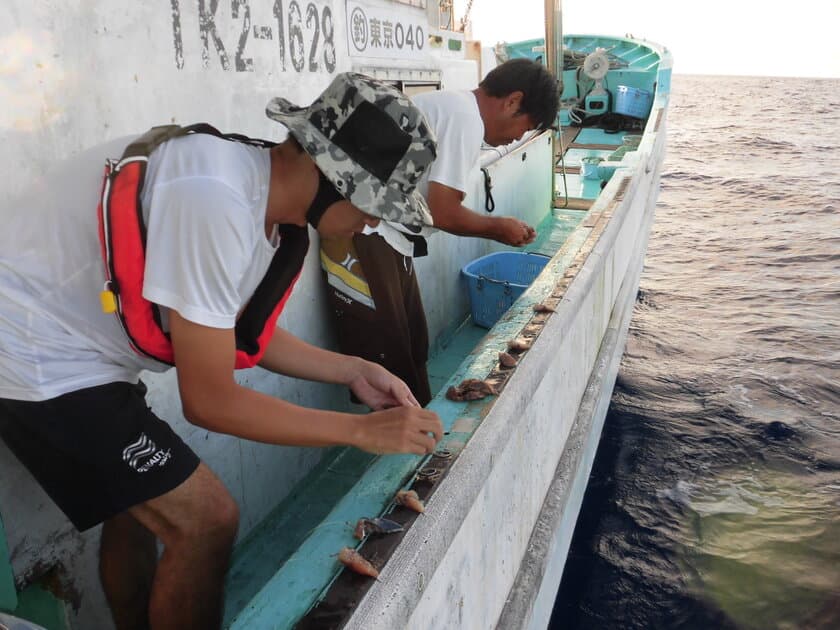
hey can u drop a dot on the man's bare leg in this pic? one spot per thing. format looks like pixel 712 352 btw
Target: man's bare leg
pixel 197 523
pixel 127 561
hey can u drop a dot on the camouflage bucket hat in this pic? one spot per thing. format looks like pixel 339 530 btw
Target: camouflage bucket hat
pixel 369 141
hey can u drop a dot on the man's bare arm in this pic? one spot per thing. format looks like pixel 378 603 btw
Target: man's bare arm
pixel 212 399
pixel 373 385
pixel 450 215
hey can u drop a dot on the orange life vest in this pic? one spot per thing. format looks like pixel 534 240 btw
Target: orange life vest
pixel 122 236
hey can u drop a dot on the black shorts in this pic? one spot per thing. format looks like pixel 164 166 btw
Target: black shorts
pixel 96 451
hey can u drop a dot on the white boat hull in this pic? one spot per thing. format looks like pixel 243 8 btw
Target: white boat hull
pixel 507 503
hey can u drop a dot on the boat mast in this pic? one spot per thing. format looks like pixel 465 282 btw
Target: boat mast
pixel 554 62
pixel 554 39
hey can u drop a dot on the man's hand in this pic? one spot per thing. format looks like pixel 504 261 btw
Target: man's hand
pixel 511 231
pixel 398 424
pixel 377 388
pixel 212 398
pixel 398 430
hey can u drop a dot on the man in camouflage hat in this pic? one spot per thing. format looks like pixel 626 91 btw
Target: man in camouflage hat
pixel 370 142
pixel 224 225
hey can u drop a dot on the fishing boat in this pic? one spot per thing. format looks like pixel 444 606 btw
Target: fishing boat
pixel 503 490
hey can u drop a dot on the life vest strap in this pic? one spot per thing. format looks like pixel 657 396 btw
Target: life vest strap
pixel 122 235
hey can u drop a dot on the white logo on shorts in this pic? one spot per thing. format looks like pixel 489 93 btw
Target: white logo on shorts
pixel 143 454
pixel 348 261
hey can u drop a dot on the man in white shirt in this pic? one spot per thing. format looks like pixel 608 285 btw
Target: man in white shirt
pixel 373 288
pixel 225 237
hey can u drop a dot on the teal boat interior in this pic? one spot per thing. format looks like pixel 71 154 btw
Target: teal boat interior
pixel 287 569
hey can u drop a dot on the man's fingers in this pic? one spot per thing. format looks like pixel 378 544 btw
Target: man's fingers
pixel 433 425
pixel 408 400
pixel 424 442
pixel 530 233
pixel 405 429
pixel 418 449
pixel 401 393
pixel 429 444
pixel 429 431
pixel 428 422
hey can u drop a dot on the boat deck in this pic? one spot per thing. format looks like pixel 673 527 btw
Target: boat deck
pixel 327 501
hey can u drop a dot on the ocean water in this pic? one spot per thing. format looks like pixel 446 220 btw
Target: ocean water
pixel 714 501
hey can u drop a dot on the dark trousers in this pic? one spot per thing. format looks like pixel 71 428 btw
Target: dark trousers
pixel 394 333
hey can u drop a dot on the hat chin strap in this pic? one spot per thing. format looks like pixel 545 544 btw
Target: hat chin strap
pixel 325 196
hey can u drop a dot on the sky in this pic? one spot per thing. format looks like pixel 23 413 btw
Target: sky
pixel 730 37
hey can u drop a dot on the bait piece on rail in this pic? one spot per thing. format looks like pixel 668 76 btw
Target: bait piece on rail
pixel 507 361
pixel 367 526
pixel 471 389
pixel 543 308
pixel 354 561
pixel 519 345
pixel 409 499
pixel 459 395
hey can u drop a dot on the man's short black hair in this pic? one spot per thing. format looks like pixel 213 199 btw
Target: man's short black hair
pixel 541 96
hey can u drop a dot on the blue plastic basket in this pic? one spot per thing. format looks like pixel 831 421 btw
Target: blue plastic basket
pixel 632 101
pixel 496 280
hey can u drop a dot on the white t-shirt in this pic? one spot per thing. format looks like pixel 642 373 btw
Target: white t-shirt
pixel 204 202
pixel 456 121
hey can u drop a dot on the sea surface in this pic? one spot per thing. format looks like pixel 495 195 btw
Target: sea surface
pixel 714 501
